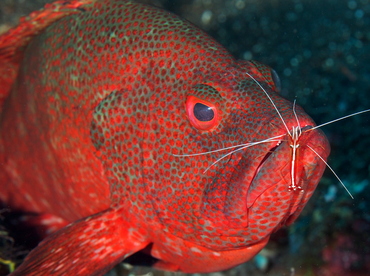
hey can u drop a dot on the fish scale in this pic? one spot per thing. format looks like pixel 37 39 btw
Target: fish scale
pixel 104 103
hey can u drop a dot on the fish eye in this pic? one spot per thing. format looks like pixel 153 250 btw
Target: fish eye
pixel 202 114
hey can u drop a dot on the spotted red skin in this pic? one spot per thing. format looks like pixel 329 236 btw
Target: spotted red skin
pixel 98 115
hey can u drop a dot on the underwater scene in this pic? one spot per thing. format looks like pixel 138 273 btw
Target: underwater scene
pixel 321 52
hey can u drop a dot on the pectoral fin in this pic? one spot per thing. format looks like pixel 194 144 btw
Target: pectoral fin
pixel 90 246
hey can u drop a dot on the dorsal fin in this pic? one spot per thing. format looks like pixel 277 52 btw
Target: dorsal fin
pixel 13 42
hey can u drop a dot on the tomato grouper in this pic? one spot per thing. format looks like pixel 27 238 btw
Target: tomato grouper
pixel 125 128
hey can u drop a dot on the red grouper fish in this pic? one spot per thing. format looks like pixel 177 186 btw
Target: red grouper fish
pixel 132 130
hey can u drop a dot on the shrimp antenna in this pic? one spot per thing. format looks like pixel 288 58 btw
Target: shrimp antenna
pixel 326 163
pixel 339 119
pixel 268 96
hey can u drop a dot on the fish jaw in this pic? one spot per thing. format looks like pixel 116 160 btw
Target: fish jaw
pixel 251 222
pixel 278 183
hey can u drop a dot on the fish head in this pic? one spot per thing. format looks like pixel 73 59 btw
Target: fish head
pixel 245 162
pixel 203 147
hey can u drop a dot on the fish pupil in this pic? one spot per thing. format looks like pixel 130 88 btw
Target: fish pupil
pixel 203 112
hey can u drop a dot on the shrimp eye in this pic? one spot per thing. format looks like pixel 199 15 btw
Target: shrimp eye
pixel 202 114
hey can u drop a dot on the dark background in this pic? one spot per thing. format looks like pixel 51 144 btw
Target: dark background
pixel 321 50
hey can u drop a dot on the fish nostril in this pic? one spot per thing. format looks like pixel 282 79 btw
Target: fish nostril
pixel 306 128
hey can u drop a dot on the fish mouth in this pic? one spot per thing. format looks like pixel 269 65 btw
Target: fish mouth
pixel 256 198
pixel 278 159
pixel 284 180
